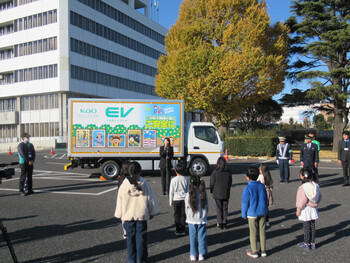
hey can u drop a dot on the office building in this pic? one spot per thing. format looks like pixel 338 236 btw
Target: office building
pixel 53 50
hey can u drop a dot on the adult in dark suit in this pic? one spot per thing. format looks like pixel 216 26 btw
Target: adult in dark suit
pixel 26 154
pixel 344 157
pixel 166 154
pixel 309 154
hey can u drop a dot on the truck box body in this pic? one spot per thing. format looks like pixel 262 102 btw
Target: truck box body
pixel 101 128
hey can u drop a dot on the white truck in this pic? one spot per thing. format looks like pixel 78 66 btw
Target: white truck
pixel 103 133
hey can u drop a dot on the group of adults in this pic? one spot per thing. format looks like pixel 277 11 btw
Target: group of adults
pixel 309 156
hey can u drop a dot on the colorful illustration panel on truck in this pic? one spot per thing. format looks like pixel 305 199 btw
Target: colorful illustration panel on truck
pixel 128 127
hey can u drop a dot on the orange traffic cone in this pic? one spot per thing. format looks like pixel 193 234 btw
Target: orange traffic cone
pixel 102 178
pixel 226 155
pixel 10 151
pixel 52 152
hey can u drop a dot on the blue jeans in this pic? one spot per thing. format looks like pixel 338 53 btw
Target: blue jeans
pixel 198 239
pixel 136 232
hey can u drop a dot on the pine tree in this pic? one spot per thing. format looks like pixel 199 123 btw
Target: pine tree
pixel 321 39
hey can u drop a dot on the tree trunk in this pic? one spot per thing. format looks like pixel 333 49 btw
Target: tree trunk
pixel 339 126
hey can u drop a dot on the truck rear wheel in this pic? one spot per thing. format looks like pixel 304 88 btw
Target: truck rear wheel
pixel 198 167
pixel 110 170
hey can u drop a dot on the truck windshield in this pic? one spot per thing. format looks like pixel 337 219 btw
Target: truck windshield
pixel 206 133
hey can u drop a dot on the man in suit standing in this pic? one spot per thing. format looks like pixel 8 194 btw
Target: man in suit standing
pixel 309 154
pixel 283 158
pixel 344 156
pixel 166 153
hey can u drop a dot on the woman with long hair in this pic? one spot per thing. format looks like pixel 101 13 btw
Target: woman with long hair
pixel 266 179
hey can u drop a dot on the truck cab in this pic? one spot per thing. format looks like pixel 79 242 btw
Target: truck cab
pixel 204 146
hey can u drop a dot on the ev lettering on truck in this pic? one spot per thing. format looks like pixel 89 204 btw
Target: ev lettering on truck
pixel 116 112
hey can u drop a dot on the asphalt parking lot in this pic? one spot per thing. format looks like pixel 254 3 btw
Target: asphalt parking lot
pixel 70 219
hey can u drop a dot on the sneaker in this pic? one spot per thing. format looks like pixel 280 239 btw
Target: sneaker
pixel 23 194
pixel 182 233
pixel 304 246
pixel 200 257
pixel 263 254
pixel 193 258
pixel 313 246
pixel 125 236
pixel 177 233
pixel 267 223
pixel 252 254
pixel 31 192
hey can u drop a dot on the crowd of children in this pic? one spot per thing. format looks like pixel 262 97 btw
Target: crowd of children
pixel 136 203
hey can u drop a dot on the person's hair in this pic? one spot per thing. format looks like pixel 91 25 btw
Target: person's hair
pixel 221 164
pixel 312 134
pixel 179 168
pixel 307 174
pixel 266 173
pixel 134 173
pixel 346 133
pixel 124 171
pixel 252 173
pixel 197 182
pixel 166 138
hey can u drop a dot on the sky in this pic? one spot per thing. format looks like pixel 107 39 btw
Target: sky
pixel 279 11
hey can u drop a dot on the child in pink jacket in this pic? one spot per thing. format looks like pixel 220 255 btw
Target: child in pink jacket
pixel 308 197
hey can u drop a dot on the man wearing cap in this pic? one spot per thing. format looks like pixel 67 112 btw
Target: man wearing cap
pixel 283 157
pixel 26 154
pixel 309 154
pixel 344 156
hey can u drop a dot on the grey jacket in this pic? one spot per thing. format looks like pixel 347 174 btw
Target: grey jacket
pixel 200 217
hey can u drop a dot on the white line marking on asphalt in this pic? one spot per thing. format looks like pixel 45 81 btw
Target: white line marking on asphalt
pixel 62 156
pixel 53 156
pixel 109 190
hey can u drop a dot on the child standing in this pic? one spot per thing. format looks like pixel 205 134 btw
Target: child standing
pixel 308 197
pixel 254 207
pixel 177 193
pixel 266 179
pixel 196 205
pixel 136 204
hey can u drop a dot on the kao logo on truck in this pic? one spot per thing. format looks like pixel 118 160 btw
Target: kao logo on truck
pixel 116 112
pixel 87 111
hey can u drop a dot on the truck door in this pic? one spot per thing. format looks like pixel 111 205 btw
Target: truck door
pixel 206 141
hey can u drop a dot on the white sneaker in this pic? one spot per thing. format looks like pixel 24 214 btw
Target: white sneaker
pixel 201 257
pixel 193 258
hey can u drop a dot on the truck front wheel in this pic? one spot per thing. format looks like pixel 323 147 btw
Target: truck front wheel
pixel 110 170
pixel 198 167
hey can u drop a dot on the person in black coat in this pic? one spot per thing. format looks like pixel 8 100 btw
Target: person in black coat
pixel 309 154
pixel 26 154
pixel 344 157
pixel 220 187
pixel 166 154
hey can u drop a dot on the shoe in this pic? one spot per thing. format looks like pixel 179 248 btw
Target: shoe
pixel 201 257
pixel 346 184
pixel 23 194
pixel 304 246
pixel 182 233
pixel 193 258
pixel 224 225
pixel 125 236
pixel 163 195
pixel 263 254
pixel 267 223
pixel 218 226
pixel 281 182
pixel 177 233
pixel 252 254
pixel 313 246
pixel 31 192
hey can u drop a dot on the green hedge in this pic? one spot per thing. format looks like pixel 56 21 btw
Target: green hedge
pixel 251 146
